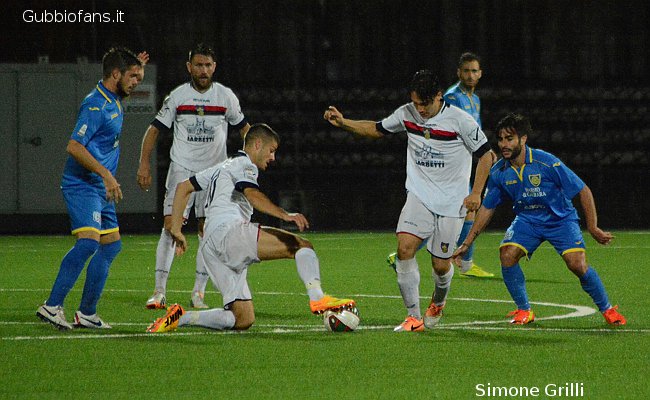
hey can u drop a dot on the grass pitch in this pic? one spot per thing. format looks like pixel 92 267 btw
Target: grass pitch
pixel 288 353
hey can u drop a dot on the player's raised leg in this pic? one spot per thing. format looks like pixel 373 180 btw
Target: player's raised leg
pixel 277 244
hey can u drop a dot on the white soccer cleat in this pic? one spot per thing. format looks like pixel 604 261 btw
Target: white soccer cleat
pixel 196 301
pixel 82 320
pixel 157 300
pixel 54 315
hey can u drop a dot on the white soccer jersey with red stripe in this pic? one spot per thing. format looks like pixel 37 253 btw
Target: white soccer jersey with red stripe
pixel 438 156
pixel 200 122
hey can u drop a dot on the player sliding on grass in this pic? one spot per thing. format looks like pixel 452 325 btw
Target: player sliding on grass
pixel 231 242
pixel 541 188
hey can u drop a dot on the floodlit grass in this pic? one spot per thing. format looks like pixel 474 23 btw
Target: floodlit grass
pixel 288 353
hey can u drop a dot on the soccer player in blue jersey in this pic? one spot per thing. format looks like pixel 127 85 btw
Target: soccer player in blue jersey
pixel 91 191
pixel 541 188
pixel 462 95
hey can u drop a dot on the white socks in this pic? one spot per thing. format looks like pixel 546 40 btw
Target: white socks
pixel 408 280
pixel 164 259
pixel 217 318
pixel 442 285
pixel 309 272
pixel 202 276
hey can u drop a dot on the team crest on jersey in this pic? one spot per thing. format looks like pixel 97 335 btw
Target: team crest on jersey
pixel 200 111
pixel 535 179
pixel 427 133
pixel 97 217
pixel 444 247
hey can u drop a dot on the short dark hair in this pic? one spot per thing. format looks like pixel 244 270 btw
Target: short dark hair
pixel 425 84
pixel 202 49
pixel 261 131
pixel 120 58
pixel 518 122
pixel 467 57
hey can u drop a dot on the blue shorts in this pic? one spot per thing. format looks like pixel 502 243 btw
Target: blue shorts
pixel 565 237
pixel 89 210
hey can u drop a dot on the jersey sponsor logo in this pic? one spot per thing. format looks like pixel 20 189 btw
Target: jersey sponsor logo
pixel 427 156
pixel 200 132
pixel 535 179
pixel 511 182
pixel 93 108
pixel 533 192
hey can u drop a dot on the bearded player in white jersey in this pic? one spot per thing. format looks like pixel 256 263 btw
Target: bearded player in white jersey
pixel 441 142
pixel 199 113
pixel 232 242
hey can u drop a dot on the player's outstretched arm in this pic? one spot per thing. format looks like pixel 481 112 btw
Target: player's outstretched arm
pixel 483 217
pixel 473 201
pixel 183 191
pixel 361 128
pixel 144 169
pixel 263 204
pixel 591 216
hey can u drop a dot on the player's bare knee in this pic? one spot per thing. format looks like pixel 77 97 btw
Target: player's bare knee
pixel 244 315
pixel 510 255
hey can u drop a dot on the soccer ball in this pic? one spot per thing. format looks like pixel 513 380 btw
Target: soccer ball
pixel 343 321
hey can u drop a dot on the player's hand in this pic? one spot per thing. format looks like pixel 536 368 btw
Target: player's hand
pixel 298 219
pixel 113 191
pixel 472 202
pixel 143 57
pixel 333 116
pixel 144 177
pixel 180 241
pixel 457 257
pixel 601 236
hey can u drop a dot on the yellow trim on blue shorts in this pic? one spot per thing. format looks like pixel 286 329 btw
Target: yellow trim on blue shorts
pixel 574 250
pixel 518 246
pixel 85 229
pixel 107 231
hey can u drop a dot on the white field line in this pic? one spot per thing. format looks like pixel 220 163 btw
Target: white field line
pixel 577 311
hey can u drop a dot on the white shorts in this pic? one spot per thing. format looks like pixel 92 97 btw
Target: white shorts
pixel 228 251
pixel 175 175
pixel 441 232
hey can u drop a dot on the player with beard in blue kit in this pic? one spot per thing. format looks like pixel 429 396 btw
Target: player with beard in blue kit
pixel 541 188
pixel 91 191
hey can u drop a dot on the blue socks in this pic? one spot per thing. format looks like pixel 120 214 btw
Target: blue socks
pixel 467 225
pixel 71 267
pixel 515 281
pixel 96 276
pixel 592 284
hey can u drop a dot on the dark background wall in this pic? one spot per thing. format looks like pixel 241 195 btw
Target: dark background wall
pixel 577 68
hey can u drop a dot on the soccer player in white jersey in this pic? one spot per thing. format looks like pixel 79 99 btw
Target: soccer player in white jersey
pixel 232 242
pixel 441 142
pixel 199 113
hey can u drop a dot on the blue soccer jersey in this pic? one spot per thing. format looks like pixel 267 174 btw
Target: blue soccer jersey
pixel 470 103
pixel 541 190
pixel 98 128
